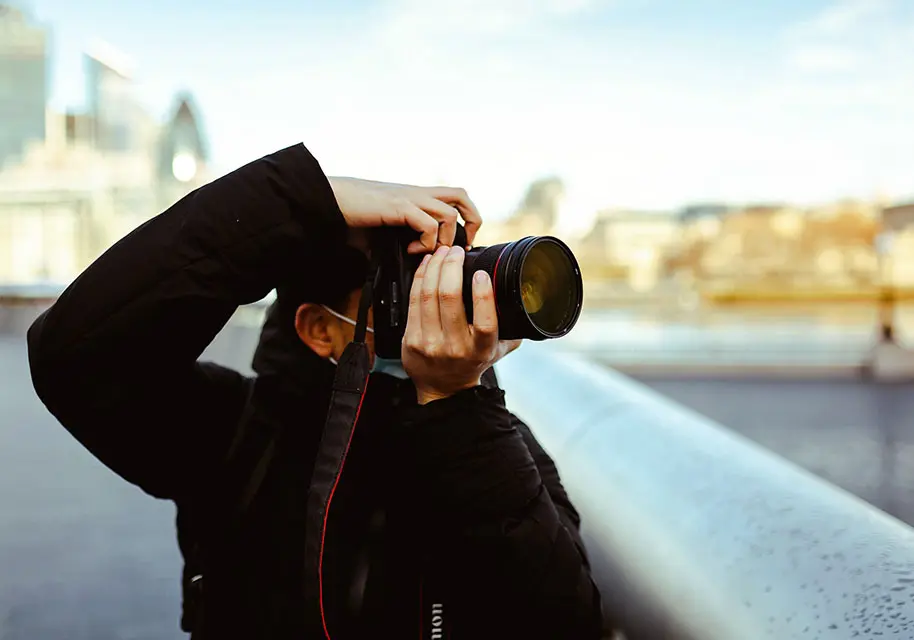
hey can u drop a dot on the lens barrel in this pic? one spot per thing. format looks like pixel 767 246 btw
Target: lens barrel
pixel 538 287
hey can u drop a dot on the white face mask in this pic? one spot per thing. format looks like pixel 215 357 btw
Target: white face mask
pixel 348 320
pixel 382 365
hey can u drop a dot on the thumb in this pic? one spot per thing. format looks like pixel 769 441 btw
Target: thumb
pixel 485 316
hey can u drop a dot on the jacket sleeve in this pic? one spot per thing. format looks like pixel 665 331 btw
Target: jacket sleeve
pixel 115 358
pixel 505 532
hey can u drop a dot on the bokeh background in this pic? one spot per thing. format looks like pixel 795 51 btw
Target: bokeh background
pixel 736 179
pixel 712 163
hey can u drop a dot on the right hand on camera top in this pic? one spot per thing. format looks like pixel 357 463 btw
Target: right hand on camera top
pixel 432 211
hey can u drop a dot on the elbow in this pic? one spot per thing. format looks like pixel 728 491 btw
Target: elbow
pixel 42 363
pixel 36 354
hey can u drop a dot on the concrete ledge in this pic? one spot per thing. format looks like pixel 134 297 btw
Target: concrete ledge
pixel 695 532
pixel 16 318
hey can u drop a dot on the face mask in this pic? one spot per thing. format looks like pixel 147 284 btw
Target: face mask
pixel 379 365
pixel 348 320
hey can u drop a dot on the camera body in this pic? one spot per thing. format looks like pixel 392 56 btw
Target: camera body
pixel 396 271
pixel 536 280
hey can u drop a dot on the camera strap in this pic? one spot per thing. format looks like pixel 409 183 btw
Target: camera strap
pixel 349 386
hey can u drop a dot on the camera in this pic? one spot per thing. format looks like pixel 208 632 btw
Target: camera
pixel 536 280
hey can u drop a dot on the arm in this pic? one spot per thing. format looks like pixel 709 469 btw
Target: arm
pixel 115 358
pixel 509 553
pixel 546 467
pixel 549 474
pixel 508 543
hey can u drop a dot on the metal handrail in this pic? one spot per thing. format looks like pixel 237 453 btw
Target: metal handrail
pixel 696 533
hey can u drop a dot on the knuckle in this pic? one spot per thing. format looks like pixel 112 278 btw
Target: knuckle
pixel 450 296
pixel 487 328
pixel 465 350
pixel 402 205
pixel 427 296
pixel 431 347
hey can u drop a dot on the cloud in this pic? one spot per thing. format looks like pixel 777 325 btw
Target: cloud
pixel 445 19
pixel 844 16
pixel 861 42
pixel 491 95
pixel 824 58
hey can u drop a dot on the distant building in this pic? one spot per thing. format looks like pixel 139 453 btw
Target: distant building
pixel 633 243
pixel 23 83
pixel 696 212
pixel 898 224
pixel 181 155
pixel 93 178
pixel 537 214
pixel 898 217
pixel 700 222
pixel 111 106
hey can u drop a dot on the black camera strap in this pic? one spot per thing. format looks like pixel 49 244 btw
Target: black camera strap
pixel 349 387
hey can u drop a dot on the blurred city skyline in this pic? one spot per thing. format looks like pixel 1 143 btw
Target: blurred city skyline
pixel 633 103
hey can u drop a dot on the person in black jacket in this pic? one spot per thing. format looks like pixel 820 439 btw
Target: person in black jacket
pixel 449 520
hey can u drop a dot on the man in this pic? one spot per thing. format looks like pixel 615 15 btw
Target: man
pixel 448 519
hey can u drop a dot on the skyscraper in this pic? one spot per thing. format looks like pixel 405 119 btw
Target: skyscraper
pixel 23 82
pixel 111 105
pixel 182 153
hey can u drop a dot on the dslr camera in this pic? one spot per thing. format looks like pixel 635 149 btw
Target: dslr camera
pixel 536 280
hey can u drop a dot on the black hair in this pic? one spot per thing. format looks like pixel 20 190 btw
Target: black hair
pixel 328 278
pixel 330 284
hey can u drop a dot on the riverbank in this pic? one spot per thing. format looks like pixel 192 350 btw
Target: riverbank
pixel 805 295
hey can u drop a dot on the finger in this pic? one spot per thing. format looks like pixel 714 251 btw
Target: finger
pixel 472 221
pixel 422 222
pixel 413 316
pixel 445 215
pixel 468 211
pixel 485 318
pixel 428 297
pixel 450 297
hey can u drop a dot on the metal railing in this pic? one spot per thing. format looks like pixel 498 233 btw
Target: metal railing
pixel 696 533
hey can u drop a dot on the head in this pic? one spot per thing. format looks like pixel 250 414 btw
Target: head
pixel 326 328
pixel 309 310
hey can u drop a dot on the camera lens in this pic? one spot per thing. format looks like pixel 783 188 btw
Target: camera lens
pixel 538 287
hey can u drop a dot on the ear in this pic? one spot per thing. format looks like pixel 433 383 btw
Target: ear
pixel 313 329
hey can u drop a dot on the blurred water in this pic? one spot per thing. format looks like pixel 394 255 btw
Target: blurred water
pixel 840 334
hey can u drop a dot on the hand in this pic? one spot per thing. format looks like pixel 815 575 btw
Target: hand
pixel 432 211
pixel 442 354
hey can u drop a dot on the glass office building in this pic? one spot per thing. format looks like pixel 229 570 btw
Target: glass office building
pixel 23 82
pixel 111 104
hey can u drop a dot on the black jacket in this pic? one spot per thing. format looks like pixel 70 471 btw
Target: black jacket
pixel 446 513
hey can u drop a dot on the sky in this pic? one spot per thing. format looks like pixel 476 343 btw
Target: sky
pixel 649 104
